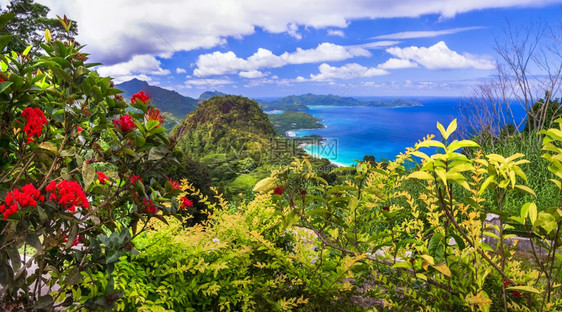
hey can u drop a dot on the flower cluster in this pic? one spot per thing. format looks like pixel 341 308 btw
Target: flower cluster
pixel 185 203
pixel 34 121
pixel 279 190
pixel 27 196
pixel 125 123
pixel 134 178
pixel 68 194
pixel 154 114
pixel 102 178
pixel 174 185
pixel 139 96
pixel 149 205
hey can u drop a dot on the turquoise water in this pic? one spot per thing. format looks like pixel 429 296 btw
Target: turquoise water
pixel 354 132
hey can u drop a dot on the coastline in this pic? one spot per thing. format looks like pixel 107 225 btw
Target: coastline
pixel 292 134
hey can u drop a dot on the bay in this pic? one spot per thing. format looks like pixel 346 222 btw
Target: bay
pixel 384 132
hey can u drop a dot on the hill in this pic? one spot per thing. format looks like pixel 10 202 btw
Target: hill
pixel 165 100
pixel 231 135
pixel 300 102
pixel 209 94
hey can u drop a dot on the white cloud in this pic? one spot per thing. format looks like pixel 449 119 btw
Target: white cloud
pixel 347 71
pixel 439 56
pixel 180 71
pixel 336 32
pixel 219 63
pixel 138 65
pixel 376 44
pixel 394 63
pixel 251 74
pixel 293 30
pixel 114 31
pixel 425 33
pixel 206 83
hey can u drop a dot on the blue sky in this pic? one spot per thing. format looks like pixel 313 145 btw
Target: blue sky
pixel 263 48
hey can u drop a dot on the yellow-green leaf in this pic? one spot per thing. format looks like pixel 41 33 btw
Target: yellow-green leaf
pixel 526 189
pixel 525 289
pixel 443 268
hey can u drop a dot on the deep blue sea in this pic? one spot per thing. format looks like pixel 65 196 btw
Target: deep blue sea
pixel 354 132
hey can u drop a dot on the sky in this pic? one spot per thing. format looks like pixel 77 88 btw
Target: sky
pixel 264 48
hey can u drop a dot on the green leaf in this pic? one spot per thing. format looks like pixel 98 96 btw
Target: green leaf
pixel 455 145
pixel 435 247
pixel 422 175
pixel 533 212
pixel 451 128
pixel 33 240
pixel 88 174
pixel 526 189
pixel 442 130
pixel 524 289
pixel 443 268
pixel 404 265
pixel 486 183
pixel 4 40
pixel 4 85
pixel 265 185
pixel 5 18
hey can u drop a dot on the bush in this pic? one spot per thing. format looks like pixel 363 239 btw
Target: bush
pixel 247 260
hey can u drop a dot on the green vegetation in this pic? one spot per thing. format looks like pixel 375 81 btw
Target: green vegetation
pixel 301 102
pixel 29 23
pixel 290 120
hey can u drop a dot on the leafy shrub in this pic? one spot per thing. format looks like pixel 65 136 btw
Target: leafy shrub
pixel 247 260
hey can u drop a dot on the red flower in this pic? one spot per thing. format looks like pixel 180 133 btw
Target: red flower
pixel 76 241
pixel 279 190
pixel 149 205
pixel 154 114
pixel 34 121
pixel 386 208
pixel 79 129
pixel 27 196
pixel 185 203
pixel 139 96
pixel 125 123
pixel 102 178
pixel 175 185
pixel 134 178
pixel 412 260
pixel 68 194
pixel 515 294
pixel 2 79
pixel 303 192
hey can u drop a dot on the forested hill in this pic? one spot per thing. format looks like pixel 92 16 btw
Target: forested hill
pixel 165 100
pixel 220 122
pixel 299 102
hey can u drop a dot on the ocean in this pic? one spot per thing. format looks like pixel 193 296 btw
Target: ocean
pixel 353 132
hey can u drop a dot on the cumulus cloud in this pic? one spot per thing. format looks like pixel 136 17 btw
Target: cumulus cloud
pixel 347 71
pixel 180 71
pixel 425 33
pixel 336 32
pixel 394 63
pixel 293 31
pixel 439 56
pixel 251 74
pixel 218 63
pixel 138 65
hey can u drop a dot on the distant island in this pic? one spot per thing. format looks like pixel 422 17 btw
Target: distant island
pixel 302 102
pixel 290 120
